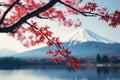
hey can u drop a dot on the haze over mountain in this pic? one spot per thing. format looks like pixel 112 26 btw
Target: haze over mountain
pixel 82 43
pixel 6 52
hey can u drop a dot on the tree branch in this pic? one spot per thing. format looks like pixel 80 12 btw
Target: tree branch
pixel 4 4
pixel 27 16
pixel 6 12
pixel 90 14
pixel 45 17
pixel 46 37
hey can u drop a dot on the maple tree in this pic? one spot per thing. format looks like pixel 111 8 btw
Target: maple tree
pixel 15 14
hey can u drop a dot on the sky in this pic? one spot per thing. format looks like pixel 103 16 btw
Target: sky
pixel 93 24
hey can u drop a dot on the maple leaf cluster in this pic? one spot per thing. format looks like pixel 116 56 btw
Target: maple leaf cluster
pixel 43 35
pixel 90 6
pixel 16 18
pixel 75 63
pixel 113 19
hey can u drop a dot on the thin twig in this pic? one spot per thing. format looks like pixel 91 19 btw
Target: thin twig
pixel 4 4
pixel 84 13
pixel 47 38
pixel 45 17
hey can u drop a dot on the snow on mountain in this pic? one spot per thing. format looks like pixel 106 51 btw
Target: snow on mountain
pixel 82 43
pixel 84 35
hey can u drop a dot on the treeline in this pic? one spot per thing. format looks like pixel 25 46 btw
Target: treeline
pixel 107 59
pixel 16 63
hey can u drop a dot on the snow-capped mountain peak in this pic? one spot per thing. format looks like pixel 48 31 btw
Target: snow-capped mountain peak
pixel 82 43
pixel 84 35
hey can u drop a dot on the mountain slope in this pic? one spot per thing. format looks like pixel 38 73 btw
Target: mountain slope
pixel 84 35
pixel 6 52
pixel 85 49
pixel 36 53
pixel 82 43
pixel 91 49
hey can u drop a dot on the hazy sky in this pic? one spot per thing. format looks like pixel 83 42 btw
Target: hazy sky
pixel 93 24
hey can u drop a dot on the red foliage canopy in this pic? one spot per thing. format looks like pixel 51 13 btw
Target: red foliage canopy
pixel 15 14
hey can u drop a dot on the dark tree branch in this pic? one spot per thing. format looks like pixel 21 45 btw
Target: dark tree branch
pixel 45 17
pixel 27 16
pixel 72 7
pixel 4 4
pixel 31 26
pixel 6 12
pixel 46 38
pixel 87 14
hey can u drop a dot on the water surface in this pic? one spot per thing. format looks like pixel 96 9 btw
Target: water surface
pixel 99 73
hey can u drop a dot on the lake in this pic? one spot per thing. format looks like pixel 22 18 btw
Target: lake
pixel 61 73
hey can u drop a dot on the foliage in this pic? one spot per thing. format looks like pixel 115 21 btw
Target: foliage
pixel 14 14
pixel 98 58
pixel 107 59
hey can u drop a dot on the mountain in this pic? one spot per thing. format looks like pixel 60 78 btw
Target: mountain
pixel 82 43
pixel 91 49
pixel 84 35
pixel 36 53
pixel 6 52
